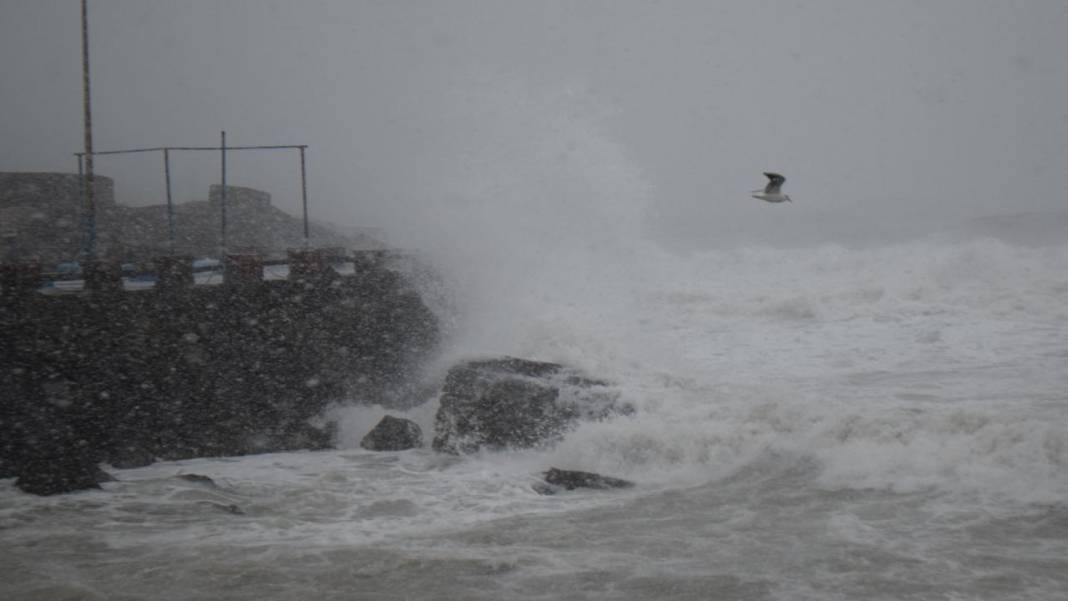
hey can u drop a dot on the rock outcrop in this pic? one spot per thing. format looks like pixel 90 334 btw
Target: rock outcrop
pixel 516 403
pixel 393 434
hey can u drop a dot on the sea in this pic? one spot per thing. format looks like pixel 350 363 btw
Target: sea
pixel 828 422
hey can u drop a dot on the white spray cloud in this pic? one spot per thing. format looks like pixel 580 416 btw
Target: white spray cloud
pixel 532 211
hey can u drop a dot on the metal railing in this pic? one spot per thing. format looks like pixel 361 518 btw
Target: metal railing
pixel 86 158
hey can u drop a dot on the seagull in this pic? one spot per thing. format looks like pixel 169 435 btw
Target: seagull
pixel 772 192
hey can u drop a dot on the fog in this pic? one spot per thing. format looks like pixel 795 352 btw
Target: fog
pixel 563 122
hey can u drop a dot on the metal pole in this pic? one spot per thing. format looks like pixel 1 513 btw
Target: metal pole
pixel 170 203
pixel 304 194
pixel 82 201
pixel 89 182
pixel 222 193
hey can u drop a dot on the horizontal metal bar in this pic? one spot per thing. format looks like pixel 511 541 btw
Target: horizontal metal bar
pixel 162 148
pixel 129 151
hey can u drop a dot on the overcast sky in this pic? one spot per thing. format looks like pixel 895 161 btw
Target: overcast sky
pixel 659 112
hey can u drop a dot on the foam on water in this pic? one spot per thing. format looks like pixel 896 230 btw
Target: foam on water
pixel 908 367
pixel 916 368
pixel 919 365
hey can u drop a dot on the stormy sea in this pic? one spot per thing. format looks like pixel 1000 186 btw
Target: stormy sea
pixel 825 407
pixel 828 422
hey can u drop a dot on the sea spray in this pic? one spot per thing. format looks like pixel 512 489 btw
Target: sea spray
pixel 536 214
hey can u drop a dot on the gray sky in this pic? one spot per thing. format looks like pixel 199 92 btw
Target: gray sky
pixel 660 112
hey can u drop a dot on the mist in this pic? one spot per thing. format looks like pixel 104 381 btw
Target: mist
pixel 453 125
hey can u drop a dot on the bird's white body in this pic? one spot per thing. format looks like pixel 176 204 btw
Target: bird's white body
pixel 773 191
pixel 771 197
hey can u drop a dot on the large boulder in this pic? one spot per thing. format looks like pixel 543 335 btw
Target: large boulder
pixel 516 403
pixel 393 434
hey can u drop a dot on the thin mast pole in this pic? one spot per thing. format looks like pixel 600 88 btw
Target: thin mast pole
pixel 89 182
pixel 170 202
pixel 304 194
pixel 222 192
pixel 81 202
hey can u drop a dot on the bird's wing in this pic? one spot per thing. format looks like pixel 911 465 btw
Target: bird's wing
pixel 775 182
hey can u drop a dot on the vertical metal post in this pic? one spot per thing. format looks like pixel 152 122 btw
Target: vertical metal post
pixel 82 201
pixel 170 202
pixel 304 194
pixel 89 182
pixel 81 178
pixel 222 193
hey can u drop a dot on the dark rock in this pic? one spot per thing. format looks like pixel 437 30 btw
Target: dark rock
pixel 556 479
pixel 516 403
pixel 545 489
pixel 58 475
pixel 393 434
pixel 226 508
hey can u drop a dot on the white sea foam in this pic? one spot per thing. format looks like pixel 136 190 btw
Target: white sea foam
pixel 917 366
pixel 833 408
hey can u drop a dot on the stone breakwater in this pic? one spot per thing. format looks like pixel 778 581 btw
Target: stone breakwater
pixel 127 377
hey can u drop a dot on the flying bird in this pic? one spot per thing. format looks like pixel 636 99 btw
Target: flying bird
pixel 773 191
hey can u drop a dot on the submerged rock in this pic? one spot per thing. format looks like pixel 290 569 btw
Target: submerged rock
pixel 556 479
pixel 198 478
pixel 393 434
pixel 516 403
pixel 225 507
